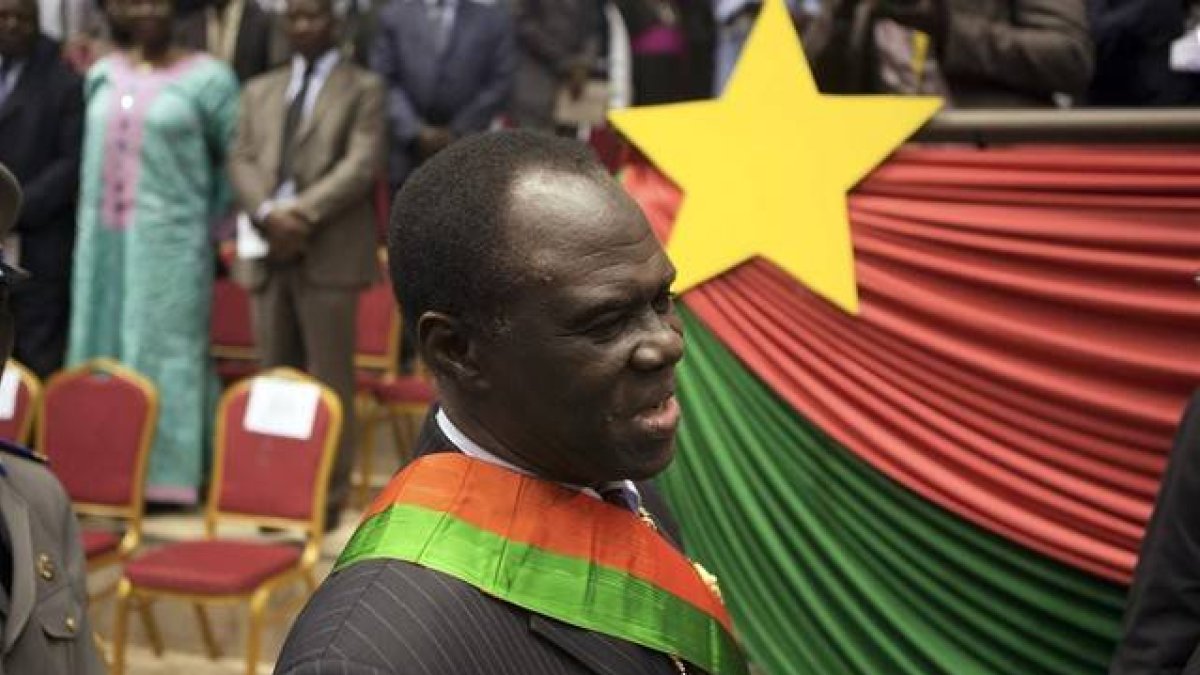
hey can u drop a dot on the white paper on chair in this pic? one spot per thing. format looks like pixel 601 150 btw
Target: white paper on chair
pixel 281 407
pixel 10 384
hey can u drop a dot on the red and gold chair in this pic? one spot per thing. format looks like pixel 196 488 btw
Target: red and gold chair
pixel 264 480
pixel 231 331
pixel 96 426
pixel 19 427
pixel 384 396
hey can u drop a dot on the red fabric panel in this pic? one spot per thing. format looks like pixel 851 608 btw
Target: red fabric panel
pixel 211 567
pixel 94 425
pixel 270 475
pixel 10 429
pixel 376 311
pixel 1027 339
pixel 405 389
pixel 231 323
pixel 99 542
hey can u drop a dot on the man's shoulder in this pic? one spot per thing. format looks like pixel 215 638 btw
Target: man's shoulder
pixel 53 70
pixel 397 617
pixel 258 85
pixel 363 78
pixel 29 476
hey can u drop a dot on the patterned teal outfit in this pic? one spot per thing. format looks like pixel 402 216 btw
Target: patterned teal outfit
pixel 152 184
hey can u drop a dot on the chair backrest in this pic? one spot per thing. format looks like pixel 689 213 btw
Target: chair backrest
pixel 270 478
pixel 16 425
pixel 377 338
pixel 96 426
pixel 230 328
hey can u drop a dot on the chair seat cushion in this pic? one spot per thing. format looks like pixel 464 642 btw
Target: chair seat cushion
pixel 405 389
pixel 365 381
pixel 98 542
pixel 216 567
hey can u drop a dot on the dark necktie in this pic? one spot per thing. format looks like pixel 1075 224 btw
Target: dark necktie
pixel 291 124
pixel 439 20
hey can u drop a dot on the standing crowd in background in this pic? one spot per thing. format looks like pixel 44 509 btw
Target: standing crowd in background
pixel 146 132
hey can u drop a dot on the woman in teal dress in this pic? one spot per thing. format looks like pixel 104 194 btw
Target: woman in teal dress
pixel 159 120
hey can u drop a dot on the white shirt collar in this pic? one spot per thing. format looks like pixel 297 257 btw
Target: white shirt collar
pixel 321 68
pixel 473 450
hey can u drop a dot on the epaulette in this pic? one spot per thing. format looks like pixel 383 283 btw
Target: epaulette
pixel 21 451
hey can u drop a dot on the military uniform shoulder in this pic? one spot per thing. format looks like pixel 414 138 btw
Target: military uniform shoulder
pixel 8 450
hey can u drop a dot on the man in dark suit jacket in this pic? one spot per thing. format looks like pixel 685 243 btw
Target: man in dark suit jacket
pixel 41 125
pixel 307 190
pixel 557 42
pixel 1133 45
pixel 448 66
pixel 1161 632
pixel 238 32
pixel 543 309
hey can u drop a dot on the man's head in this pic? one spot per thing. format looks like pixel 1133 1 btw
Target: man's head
pixel 18 28
pixel 542 305
pixel 310 27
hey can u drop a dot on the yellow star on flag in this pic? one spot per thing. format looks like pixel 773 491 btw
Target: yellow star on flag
pixel 766 167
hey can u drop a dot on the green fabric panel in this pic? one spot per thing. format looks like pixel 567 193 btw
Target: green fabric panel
pixel 828 566
pixel 570 589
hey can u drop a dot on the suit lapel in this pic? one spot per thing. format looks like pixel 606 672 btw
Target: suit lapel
pixel 16 517
pixel 18 97
pixel 333 92
pixel 274 104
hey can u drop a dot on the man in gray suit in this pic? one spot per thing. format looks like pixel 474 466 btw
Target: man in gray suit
pixel 448 66
pixel 309 147
pixel 558 40
pixel 44 627
pixel 543 309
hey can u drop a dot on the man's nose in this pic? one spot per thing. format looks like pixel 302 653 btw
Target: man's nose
pixel 661 345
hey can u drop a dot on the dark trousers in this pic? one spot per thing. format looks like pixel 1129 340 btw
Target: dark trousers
pixel 41 310
pixel 312 328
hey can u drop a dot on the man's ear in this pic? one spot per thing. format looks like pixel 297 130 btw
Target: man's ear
pixel 450 350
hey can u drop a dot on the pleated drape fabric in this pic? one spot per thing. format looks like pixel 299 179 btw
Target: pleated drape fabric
pixel 957 478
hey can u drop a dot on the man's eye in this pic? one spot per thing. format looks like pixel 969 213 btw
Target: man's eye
pixel 606 327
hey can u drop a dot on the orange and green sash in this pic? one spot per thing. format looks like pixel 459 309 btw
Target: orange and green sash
pixel 550 550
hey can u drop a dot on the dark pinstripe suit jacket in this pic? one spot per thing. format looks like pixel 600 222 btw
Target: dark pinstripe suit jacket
pixel 392 617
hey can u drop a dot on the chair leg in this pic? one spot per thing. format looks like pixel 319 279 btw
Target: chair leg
pixel 124 597
pixel 150 625
pixel 406 424
pixel 210 643
pixel 258 609
pixel 366 461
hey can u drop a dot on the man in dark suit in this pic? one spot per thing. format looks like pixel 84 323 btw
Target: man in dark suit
pixel 543 309
pixel 44 625
pixel 307 191
pixel 41 120
pixel 1133 53
pixel 557 41
pixel 1161 631
pixel 238 32
pixel 448 66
